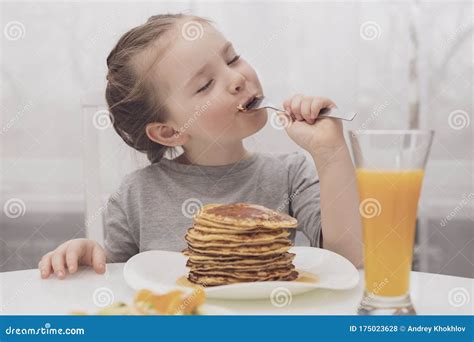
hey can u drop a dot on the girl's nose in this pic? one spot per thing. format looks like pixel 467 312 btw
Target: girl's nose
pixel 237 84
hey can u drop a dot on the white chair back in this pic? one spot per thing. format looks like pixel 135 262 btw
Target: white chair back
pixel 107 159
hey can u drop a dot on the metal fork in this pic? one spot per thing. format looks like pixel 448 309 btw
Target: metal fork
pixel 325 112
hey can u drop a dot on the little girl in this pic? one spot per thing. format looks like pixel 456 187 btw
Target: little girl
pixel 175 81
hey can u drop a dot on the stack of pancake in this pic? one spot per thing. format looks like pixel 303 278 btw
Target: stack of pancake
pixel 239 243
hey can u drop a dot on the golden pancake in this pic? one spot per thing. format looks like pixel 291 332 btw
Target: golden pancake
pixel 223 243
pixel 242 249
pixel 256 250
pixel 243 216
pixel 239 267
pixel 206 260
pixel 201 222
pixel 204 277
pixel 240 264
pixel 246 275
pixel 234 231
pixel 198 257
pixel 240 237
pixel 193 255
pixel 224 280
pixel 239 242
pixel 198 235
pixel 245 260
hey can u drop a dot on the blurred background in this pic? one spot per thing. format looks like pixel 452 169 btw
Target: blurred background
pixel 400 65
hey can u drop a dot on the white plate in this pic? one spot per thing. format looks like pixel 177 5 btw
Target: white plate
pixel 159 270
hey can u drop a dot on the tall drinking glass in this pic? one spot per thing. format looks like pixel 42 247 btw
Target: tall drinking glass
pixel 389 167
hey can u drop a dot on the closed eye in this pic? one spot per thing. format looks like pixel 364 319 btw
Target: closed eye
pixel 235 59
pixel 208 84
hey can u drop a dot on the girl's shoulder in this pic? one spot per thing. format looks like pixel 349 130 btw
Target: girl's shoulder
pixel 139 176
pixel 150 174
pixel 291 160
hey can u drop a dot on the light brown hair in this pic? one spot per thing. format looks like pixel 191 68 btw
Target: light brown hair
pixel 133 102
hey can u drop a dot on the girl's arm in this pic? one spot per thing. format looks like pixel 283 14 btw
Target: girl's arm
pixel 324 140
pixel 340 217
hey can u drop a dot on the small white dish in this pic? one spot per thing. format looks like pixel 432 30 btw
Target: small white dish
pixel 158 271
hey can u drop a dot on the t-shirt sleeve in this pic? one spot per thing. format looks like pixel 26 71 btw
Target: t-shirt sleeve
pixel 119 242
pixel 305 197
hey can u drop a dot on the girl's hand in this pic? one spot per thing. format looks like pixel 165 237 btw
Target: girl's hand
pixel 70 255
pixel 317 137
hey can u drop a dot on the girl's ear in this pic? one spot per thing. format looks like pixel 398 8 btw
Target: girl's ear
pixel 165 135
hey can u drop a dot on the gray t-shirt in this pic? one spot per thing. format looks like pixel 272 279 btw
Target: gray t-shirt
pixel 153 207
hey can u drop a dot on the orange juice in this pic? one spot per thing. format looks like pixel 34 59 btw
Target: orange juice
pixel 388 206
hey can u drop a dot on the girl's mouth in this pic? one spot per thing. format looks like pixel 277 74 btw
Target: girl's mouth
pixel 250 104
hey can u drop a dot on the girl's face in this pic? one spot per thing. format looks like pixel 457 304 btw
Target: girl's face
pixel 202 80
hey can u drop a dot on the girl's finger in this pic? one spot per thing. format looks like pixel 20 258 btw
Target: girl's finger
pixel 328 103
pixel 306 109
pixel 73 253
pixel 43 259
pixel 45 265
pixel 98 258
pixel 57 261
pixel 316 106
pixel 287 108
pixel 295 107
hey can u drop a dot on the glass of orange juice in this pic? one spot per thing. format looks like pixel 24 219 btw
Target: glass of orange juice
pixel 389 168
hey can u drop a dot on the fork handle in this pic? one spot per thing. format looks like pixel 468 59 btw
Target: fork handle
pixel 329 113
pixel 337 114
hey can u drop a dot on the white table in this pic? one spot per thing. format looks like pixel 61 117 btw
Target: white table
pixel 24 292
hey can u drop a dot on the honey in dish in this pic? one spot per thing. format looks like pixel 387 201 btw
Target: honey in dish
pixel 306 277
